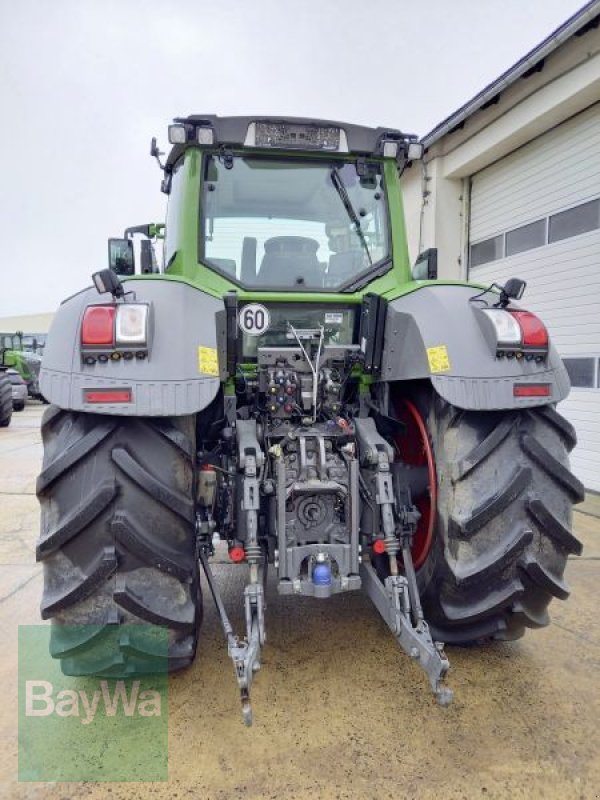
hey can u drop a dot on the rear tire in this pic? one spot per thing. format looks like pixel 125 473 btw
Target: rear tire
pixel 6 404
pixel 503 529
pixel 18 406
pixel 118 542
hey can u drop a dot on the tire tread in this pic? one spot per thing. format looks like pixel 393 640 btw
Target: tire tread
pixel 119 552
pixel 498 562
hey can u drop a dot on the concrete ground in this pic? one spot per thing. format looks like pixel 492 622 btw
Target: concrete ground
pixel 340 712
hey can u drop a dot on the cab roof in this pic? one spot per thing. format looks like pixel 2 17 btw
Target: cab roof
pixel 233 132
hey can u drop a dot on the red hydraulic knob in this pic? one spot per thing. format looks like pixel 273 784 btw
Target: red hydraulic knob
pixel 237 554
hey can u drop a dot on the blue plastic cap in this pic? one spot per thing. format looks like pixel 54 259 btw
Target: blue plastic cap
pixel 321 575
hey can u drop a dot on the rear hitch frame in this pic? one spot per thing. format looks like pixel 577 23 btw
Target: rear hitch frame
pixel 397 599
pixel 393 601
pixel 244 653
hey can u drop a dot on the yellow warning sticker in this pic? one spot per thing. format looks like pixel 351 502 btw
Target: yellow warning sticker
pixel 208 362
pixel 438 358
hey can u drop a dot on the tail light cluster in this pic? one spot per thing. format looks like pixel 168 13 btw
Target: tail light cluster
pixel 519 334
pixel 116 331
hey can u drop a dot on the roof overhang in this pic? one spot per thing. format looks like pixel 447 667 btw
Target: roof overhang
pixel 588 16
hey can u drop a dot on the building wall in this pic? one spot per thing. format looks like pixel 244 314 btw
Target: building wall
pixel 436 191
pixel 532 152
pixel 535 214
pixel 436 215
pixel 27 323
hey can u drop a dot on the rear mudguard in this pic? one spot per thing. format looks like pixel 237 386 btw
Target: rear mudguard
pixel 177 377
pixel 438 333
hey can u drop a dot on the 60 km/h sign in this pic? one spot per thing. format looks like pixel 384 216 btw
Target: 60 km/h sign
pixel 254 319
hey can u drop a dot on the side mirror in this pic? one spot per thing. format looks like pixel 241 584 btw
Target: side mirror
pixel 120 256
pixel 147 257
pixel 425 268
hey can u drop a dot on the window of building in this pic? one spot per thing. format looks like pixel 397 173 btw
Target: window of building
pixel 574 221
pixel 582 372
pixel 526 237
pixel 487 250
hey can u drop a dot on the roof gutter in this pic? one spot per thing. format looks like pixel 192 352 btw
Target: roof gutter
pixel 560 35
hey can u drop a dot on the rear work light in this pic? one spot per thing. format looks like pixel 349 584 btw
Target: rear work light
pixel 108 395
pixel 508 331
pixel 131 327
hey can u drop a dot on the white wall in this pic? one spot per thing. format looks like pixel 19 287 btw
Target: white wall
pixel 568 83
pixel 28 323
pixel 436 217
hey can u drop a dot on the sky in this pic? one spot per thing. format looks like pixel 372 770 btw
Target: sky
pixel 85 84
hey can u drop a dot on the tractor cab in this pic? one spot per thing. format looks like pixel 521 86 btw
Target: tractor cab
pixel 283 205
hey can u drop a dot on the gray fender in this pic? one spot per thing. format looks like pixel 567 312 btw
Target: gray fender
pixel 472 377
pixel 167 383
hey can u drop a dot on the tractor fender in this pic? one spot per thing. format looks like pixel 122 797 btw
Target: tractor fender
pixel 439 333
pixel 177 377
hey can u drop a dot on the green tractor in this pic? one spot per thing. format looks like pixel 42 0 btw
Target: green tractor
pixel 23 353
pixel 289 387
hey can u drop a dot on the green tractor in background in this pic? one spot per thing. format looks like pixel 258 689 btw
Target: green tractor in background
pixel 286 385
pixel 24 354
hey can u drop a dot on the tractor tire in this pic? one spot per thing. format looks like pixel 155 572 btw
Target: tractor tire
pixel 6 403
pixel 503 525
pixel 118 542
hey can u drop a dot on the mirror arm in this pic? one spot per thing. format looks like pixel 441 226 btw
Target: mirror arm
pixel 156 153
pixel 152 230
pixel 143 229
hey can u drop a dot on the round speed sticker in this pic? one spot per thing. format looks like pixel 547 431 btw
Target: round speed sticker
pixel 254 319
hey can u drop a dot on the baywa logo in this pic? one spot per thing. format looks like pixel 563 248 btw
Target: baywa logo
pixel 87 725
pixel 41 701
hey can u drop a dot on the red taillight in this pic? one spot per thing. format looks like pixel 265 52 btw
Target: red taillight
pixel 379 546
pixel 531 390
pixel 98 326
pixel 107 395
pixel 534 330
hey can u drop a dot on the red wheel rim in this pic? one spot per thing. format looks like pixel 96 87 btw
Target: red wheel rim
pixel 415 449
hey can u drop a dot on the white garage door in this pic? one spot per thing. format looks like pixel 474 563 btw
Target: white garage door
pixel 535 214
